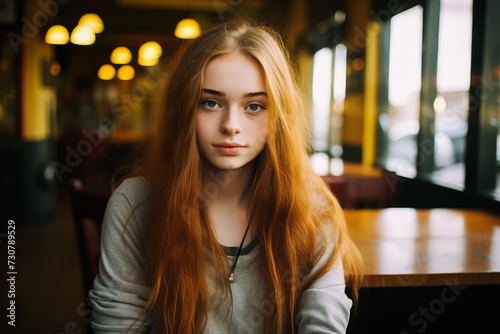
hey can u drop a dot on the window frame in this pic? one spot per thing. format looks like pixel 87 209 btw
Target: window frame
pixel 481 140
pixel 482 135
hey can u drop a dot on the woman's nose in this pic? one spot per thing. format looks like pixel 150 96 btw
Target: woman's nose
pixel 230 123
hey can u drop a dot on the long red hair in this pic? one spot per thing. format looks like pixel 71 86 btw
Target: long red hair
pixel 292 207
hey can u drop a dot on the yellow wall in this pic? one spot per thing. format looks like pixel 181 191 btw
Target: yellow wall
pixel 371 93
pixel 299 15
pixel 38 99
pixel 352 131
pixel 358 17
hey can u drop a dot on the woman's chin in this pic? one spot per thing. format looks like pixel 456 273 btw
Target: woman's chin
pixel 232 166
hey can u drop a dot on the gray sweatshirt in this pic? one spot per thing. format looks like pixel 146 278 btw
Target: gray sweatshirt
pixel 121 290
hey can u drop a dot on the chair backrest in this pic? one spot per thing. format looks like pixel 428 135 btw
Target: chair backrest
pixel 88 207
pixel 365 192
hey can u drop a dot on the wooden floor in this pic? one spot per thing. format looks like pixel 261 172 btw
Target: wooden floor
pixel 49 292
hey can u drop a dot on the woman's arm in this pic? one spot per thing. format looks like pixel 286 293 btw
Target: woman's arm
pixel 324 307
pixel 120 290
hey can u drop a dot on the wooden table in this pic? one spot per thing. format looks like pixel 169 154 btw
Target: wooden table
pixel 409 247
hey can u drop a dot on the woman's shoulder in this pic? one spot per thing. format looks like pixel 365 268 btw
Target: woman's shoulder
pixel 135 189
pixel 130 198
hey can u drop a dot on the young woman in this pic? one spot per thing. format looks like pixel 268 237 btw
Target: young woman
pixel 225 228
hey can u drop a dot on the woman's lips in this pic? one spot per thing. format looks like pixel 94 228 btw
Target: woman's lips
pixel 229 148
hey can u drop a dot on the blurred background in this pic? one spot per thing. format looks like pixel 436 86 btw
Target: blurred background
pixel 409 86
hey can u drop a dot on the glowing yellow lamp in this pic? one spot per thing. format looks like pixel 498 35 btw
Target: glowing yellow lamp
pixel 82 35
pixel 187 29
pixel 106 72
pixel 93 21
pixel 126 72
pixel 147 62
pixel 121 55
pixel 149 53
pixel 150 50
pixel 57 35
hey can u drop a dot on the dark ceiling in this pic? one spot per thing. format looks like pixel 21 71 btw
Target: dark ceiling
pixel 130 23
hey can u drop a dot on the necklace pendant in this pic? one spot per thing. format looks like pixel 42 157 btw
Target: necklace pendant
pixel 231 278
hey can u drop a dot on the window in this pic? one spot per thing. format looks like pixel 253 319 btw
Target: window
pixel 438 106
pixel 399 116
pixel 328 95
pixel 321 96
pixel 453 82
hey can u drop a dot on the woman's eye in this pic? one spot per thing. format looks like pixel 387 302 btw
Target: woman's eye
pixel 210 104
pixel 255 107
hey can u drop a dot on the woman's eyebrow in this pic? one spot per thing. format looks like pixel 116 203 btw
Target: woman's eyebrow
pixel 213 92
pixel 254 94
pixel 219 93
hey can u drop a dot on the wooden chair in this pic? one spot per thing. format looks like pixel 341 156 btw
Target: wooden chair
pixel 88 207
pixel 354 192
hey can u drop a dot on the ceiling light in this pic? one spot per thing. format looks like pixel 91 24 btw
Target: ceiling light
pixel 57 35
pixel 187 29
pixel 149 53
pixel 150 50
pixel 106 72
pixel 121 55
pixel 82 35
pixel 147 62
pixel 126 72
pixel 93 21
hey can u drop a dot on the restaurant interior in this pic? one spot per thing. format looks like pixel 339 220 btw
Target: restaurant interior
pixel 404 129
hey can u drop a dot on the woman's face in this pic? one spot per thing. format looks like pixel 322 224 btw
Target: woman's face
pixel 232 117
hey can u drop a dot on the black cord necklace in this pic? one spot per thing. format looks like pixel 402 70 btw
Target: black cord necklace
pixel 231 276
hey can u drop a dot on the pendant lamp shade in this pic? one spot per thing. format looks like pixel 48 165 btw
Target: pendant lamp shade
pixel 126 72
pixel 106 72
pixel 150 50
pixel 82 35
pixel 149 53
pixel 93 21
pixel 121 55
pixel 147 62
pixel 187 29
pixel 57 35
